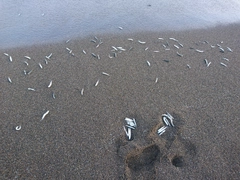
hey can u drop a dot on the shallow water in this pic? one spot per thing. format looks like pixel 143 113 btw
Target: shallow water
pixel 28 22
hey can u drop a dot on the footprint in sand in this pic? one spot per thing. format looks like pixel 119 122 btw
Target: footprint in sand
pixel 169 149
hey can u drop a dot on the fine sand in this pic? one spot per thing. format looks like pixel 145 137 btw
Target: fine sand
pixel 82 137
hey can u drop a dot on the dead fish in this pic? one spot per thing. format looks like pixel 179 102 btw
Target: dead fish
pixel 44 115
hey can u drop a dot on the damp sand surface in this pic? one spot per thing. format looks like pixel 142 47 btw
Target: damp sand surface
pixel 82 136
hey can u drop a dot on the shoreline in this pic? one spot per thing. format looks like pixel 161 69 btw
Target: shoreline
pixel 83 135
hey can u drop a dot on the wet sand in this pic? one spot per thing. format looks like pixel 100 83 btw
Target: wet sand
pixel 82 137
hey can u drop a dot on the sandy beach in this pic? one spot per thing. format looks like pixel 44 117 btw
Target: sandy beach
pixel 152 73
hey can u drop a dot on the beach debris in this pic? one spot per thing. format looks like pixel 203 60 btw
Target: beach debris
pixel 131 125
pixel 226 59
pixel 165 60
pixel 200 51
pixel 174 39
pixel 223 64
pixel 176 46
pixel 180 44
pixel 9 80
pixel 49 56
pixel 179 54
pixel 155 51
pixel 10 58
pixel 46 62
pixel 106 74
pixel 130 39
pixel 221 49
pixel 18 128
pixel 26 63
pixel 229 49
pixel 148 63
pixel 94 55
pixel 120 28
pixel 50 84
pixel 156 80
pixel 93 40
pixel 82 91
pixel 44 115
pixel 98 56
pixel 207 63
pixel 6 54
pixel 110 56
pixel 53 95
pixel 114 48
pixel 121 48
pixel 31 89
pixel 27 57
pixel 188 66
pixel 130 48
pixel 128 132
pixel 100 42
pixel 40 65
pixel 168 121
pixel 141 42
pixel 146 48
pixel 161 130
pixel 96 83
pixel 67 41
pixel 84 51
pixel 70 51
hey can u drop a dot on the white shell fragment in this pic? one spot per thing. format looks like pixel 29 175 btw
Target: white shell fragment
pixel 18 128
pixel 43 116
